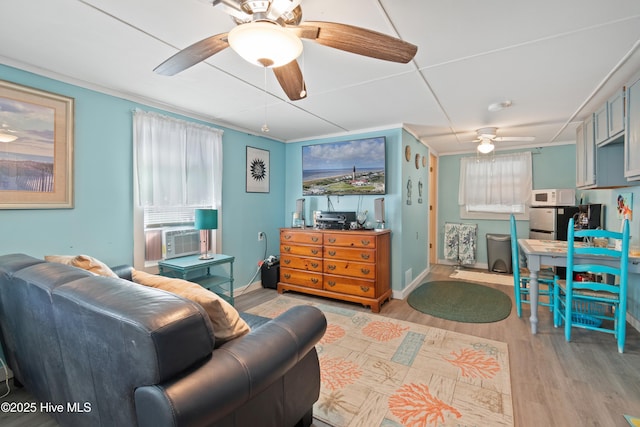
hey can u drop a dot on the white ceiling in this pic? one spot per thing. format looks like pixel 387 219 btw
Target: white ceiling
pixel 556 60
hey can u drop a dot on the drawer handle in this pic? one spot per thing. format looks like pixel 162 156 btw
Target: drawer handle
pixel 365 256
pixel 365 242
pixel 365 270
pixel 287 248
pixel 364 288
pixel 314 264
pixel 332 240
pixel 314 280
pixel 332 253
pixel 331 267
pixel 287 276
pixel 314 251
pixel 314 239
pixel 287 261
pixel 287 236
pixel 331 283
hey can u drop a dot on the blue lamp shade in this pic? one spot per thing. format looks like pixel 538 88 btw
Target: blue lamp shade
pixel 206 219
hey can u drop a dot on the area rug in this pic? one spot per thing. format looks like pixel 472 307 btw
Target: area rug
pixel 478 276
pixel 461 301
pixel 382 372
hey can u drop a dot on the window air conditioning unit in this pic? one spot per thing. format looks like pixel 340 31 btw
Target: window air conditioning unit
pixel 171 242
pixel 180 242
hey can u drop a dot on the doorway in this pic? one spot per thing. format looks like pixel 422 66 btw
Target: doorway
pixel 433 209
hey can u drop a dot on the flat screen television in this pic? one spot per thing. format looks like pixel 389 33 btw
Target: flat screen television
pixel 354 167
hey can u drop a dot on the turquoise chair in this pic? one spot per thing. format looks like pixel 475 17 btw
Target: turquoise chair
pixel 521 277
pixel 591 303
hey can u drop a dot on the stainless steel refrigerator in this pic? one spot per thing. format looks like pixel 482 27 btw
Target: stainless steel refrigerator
pixel 550 223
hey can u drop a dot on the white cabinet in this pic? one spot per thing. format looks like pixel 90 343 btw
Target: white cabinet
pixel 601 123
pixel 609 120
pixel 615 114
pixel 585 154
pixel 632 139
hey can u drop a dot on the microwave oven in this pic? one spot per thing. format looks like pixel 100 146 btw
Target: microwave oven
pixel 553 197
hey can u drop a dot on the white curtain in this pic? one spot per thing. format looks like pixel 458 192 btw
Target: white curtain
pixel 176 163
pixel 500 184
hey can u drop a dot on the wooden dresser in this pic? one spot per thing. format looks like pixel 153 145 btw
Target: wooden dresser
pixel 347 265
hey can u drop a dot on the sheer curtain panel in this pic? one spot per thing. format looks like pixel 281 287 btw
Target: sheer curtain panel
pixel 497 184
pixel 177 163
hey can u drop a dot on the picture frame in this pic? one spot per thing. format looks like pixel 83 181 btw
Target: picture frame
pixel 36 148
pixel 258 170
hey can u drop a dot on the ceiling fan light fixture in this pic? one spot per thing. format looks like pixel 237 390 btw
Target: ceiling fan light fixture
pixel 485 146
pixel 265 44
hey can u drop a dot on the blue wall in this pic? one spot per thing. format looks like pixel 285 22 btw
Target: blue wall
pixel 553 167
pixel 406 252
pixel 101 222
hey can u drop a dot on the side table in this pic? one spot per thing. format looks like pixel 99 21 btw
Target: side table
pixel 215 274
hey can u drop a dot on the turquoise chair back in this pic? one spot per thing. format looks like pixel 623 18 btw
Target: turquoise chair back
pixel 584 291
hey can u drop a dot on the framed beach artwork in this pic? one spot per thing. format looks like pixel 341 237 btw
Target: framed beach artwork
pixel 36 148
pixel 258 170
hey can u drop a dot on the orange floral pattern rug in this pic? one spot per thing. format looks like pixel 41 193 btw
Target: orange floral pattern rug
pixel 383 372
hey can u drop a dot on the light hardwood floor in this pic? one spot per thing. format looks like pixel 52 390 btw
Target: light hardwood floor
pixel 553 383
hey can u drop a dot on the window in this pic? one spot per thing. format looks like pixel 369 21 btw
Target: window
pixel 177 168
pixel 499 184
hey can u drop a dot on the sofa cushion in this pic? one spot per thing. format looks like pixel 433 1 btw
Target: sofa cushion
pixel 84 262
pixel 227 323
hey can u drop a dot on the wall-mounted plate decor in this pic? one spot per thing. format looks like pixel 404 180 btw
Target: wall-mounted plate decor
pixel 407 152
pixel 417 161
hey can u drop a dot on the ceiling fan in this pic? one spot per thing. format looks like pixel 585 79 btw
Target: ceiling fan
pixel 269 33
pixel 487 136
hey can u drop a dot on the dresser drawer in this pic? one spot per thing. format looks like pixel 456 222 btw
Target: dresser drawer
pixel 350 286
pixel 301 263
pixel 303 250
pixel 350 254
pixel 302 278
pixel 350 240
pixel 304 237
pixel 350 268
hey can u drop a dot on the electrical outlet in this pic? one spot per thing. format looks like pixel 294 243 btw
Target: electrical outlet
pixel 260 235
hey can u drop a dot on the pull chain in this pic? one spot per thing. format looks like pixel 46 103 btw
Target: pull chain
pixel 265 127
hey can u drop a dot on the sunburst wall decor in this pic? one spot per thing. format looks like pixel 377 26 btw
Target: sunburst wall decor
pixel 258 170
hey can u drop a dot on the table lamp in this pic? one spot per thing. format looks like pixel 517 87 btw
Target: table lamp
pixel 206 219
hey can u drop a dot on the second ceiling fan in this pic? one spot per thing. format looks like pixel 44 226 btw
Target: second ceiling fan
pixel 269 34
pixel 487 136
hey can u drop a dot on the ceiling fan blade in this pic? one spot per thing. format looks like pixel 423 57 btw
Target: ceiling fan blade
pixel 359 41
pixel 514 138
pixel 290 78
pixel 193 54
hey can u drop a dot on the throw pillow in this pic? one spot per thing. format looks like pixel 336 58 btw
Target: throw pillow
pixel 84 262
pixel 227 323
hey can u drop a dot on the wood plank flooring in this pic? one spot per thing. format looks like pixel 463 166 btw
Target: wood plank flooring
pixel 553 383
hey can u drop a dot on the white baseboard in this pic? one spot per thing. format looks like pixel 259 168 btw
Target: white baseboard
pixel 403 293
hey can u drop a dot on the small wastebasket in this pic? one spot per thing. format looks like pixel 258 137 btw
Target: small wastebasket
pixel 270 274
pixel 499 253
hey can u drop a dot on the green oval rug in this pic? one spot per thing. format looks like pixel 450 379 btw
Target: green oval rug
pixel 461 301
